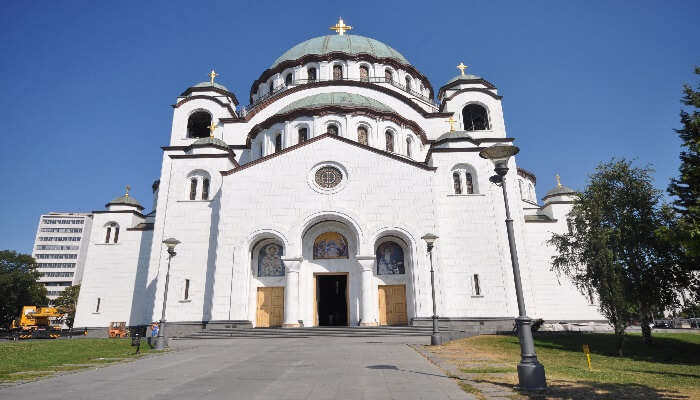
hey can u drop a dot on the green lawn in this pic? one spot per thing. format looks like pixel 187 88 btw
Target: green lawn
pixel 670 366
pixel 24 360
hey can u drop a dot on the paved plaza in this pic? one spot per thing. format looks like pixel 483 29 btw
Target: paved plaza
pixel 289 368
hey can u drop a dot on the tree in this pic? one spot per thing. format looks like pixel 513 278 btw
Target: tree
pixel 618 249
pixel 18 285
pixel 686 188
pixel 66 303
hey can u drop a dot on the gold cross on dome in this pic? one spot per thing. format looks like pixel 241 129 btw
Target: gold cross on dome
pixel 461 67
pixel 452 123
pixel 558 180
pixel 340 27
pixel 212 75
pixel 212 128
pixel 127 190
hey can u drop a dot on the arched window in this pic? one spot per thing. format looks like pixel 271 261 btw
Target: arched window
pixel 332 129
pixel 531 192
pixel 198 125
pixel 470 184
pixel 288 79
pixel 409 143
pixel 271 87
pixel 362 135
pixel 475 118
pixel 193 188
pixel 261 149
pixel 408 83
pixel 337 72
pixel 112 233
pixel 364 73
pixel 205 189
pixel 457 182
pixel 270 260
pixel 388 75
pixel 303 135
pixel 389 137
pixel 278 143
pixel 311 73
pixel 390 259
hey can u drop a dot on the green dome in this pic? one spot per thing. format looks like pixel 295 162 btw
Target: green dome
pixel 125 201
pixel 335 99
pixel 210 140
pixel 208 84
pixel 348 44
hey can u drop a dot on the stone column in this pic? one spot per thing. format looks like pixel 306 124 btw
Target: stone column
pixel 292 267
pixel 368 305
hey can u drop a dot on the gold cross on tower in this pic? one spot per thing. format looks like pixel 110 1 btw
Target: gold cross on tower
pixel 340 27
pixel 127 190
pixel 212 128
pixel 462 67
pixel 212 75
pixel 452 123
pixel 558 180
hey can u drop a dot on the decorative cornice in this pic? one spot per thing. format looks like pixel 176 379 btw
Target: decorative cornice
pixel 138 214
pixel 335 109
pixel 210 89
pixel 324 136
pixel 480 90
pixel 338 56
pixel 146 226
pixel 475 141
pixel 204 97
pixel 368 85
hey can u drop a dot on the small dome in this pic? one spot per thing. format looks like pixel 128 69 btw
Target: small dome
pixel 459 77
pixel 209 84
pixel 125 200
pixel 336 99
pixel 560 190
pixel 210 140
pixel 348 44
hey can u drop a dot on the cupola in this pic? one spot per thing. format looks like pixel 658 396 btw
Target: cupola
pixel 124 203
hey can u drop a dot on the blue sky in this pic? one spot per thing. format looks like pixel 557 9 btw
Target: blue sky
pixel 86 87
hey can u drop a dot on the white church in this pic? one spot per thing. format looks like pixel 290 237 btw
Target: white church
pixel 307 207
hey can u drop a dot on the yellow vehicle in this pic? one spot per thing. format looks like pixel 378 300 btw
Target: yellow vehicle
pixel 36 322
pixel 118 330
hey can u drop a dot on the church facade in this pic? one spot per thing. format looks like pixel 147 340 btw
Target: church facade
pixel 307 207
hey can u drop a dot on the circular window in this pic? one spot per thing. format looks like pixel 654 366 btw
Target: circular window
pixel 328 177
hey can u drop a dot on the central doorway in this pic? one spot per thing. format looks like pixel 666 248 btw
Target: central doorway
pixel 332 300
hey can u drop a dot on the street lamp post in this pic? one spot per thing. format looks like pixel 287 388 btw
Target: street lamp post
pixel 161 339
pixel 435 337
pixel 531 373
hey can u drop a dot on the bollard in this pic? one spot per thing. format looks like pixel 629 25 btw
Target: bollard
pixel 587 351
pixel 136 341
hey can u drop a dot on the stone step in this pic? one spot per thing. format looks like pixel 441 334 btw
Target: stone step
pixel 330 331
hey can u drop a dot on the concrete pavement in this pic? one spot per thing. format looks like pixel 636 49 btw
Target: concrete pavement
pixel 300 368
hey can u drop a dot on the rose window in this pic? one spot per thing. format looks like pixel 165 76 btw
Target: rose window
pixel 328 177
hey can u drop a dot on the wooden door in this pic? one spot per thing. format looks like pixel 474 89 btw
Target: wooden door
pixel 392 305
pixel 270 310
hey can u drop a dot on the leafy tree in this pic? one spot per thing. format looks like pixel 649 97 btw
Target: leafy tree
pixel 18 285
pixel 66 303
pixel 686 188
pixel 618 248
